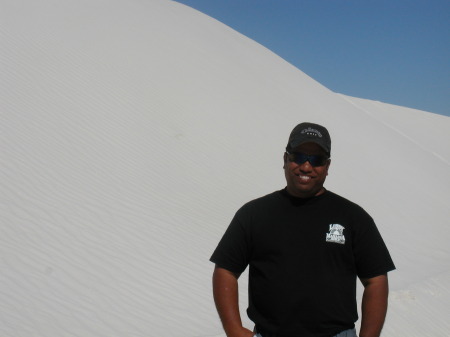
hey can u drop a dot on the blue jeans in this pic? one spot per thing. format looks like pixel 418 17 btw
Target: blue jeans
pixel 346 333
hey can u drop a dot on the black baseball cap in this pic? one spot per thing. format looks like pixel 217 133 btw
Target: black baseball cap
pixel 309 133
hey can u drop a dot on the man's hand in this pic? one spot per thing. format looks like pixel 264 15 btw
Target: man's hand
pixel 242 332
pixel 374 305
pixel 225 288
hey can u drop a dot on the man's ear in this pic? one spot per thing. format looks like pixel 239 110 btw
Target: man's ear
pixel 328 165
pixel 284 160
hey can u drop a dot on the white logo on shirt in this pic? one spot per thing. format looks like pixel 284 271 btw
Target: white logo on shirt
pixel 336 234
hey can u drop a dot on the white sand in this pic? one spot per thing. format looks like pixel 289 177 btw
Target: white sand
pixel 131 131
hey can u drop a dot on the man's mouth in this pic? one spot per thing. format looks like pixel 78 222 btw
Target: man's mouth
pixel 304 178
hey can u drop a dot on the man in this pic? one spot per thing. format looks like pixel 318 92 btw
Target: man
pixel 305 246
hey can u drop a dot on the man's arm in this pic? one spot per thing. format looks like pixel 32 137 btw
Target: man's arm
pixel 374 305
pixel 225 289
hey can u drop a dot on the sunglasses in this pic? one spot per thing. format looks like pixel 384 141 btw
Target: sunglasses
pixel 300 158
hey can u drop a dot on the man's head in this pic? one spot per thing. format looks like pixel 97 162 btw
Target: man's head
pixel 307 159
pixel 309 133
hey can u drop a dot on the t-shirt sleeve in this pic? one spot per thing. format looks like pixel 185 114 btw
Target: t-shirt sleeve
pixel 232 252
pixel 372 257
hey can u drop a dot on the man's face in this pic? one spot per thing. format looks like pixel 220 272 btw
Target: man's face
pixel 305 180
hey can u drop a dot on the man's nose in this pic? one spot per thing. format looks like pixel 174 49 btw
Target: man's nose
pixel 305 167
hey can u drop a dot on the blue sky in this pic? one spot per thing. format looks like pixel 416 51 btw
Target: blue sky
pixel 394 51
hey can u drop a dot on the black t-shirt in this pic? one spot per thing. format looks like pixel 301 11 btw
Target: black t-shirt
pixel 303 256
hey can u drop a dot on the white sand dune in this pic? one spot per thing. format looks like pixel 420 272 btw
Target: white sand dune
pixel 131 131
